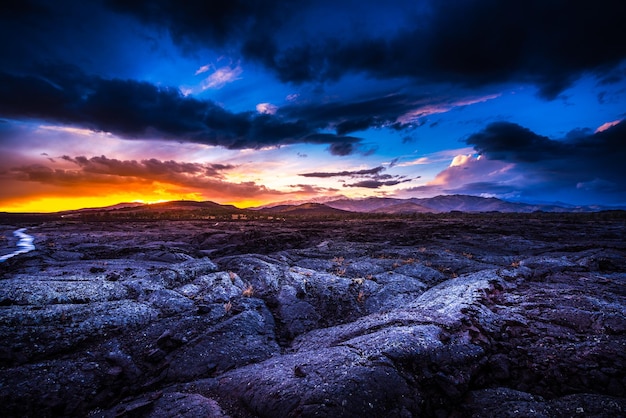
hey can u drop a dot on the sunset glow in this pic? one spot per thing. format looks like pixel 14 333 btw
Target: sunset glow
pixel 55 204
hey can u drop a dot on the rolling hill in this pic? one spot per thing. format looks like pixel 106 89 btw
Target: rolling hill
pixel 306 209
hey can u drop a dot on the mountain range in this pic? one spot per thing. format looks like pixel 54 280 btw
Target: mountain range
pixel 438 204
pixel 337 207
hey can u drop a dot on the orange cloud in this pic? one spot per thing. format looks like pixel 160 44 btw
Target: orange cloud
pixel 65 182
pixel 607 125
pixel 74 182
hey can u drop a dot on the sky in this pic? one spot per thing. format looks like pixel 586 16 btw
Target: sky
pixel 251 102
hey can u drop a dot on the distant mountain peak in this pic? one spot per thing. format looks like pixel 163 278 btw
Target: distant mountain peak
pixel 319 199
pixel 449 203
pixel 337 205
pixel 311 208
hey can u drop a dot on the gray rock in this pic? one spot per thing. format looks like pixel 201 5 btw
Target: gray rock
pixel 170 302
pixel 442 315
pixel 245 338
pixel 335 381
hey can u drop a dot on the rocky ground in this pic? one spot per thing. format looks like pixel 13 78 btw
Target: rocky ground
pixel 435 315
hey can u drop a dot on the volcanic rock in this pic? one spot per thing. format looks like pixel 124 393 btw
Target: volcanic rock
pixel 428 315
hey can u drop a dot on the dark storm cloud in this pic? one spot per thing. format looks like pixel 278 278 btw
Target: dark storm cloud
pixel 471 42
pixel 133 109
pixel 549 43
pixel 349 116
pixel 42 32
pixel 38 173
pixel 28 24
pixel 376 184
pixel 341 149
pixel 110 172
pixel 149 168
pixel 511 142
pixel 398 111
pixel 580 159
pixel 356 173
pixel 340 145
pixel 373 177
pixel 210 22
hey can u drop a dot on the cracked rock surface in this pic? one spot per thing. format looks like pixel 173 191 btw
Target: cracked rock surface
pixel 433 315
